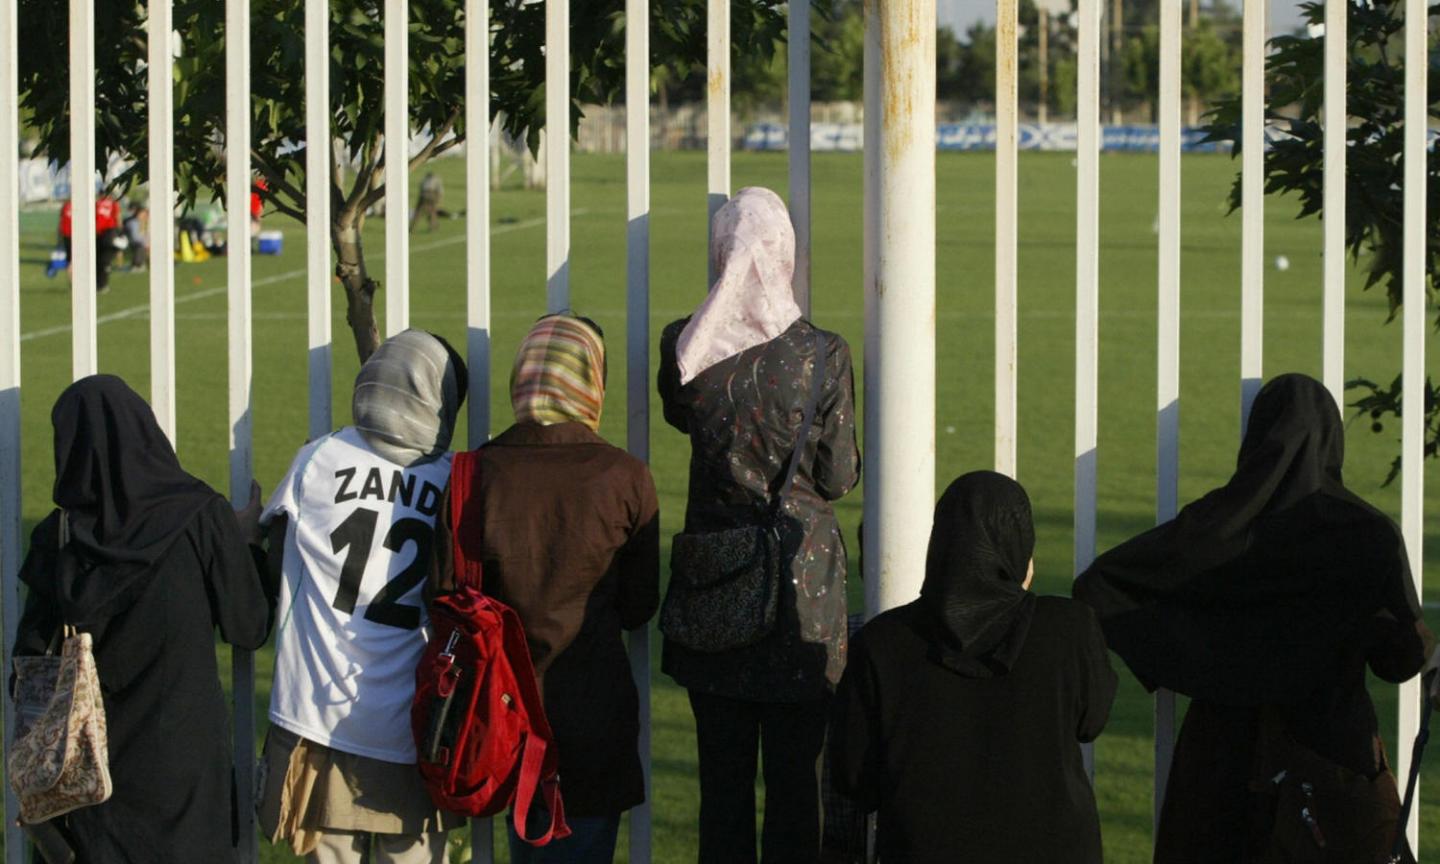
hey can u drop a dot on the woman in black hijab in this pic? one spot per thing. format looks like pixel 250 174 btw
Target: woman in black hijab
pixel 1264 601
pixel 151 562
pixel 960 715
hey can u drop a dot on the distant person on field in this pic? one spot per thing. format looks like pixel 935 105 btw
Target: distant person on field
pixel 736 377
pixel 258 190
pixel 961 714
pixel 1265 602
pixel 137 232
pixel 431 191
pixel 107 237
pixel 570 530
pixel 150 561
pixel 353 525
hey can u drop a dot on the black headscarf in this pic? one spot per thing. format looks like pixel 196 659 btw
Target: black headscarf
pixel 1250 594
pixel 980 548
pixel 124 494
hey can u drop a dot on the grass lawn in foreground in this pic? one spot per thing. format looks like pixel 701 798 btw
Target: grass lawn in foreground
pixel 965 334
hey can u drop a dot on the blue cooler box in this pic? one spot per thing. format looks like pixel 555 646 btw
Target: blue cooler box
pixel 271 242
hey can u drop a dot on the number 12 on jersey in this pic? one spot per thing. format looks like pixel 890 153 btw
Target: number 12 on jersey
pixel 356 535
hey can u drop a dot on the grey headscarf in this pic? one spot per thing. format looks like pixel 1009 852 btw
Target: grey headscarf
pixel 408 395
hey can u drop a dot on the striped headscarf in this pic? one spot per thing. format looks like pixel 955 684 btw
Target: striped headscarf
pixel 559 373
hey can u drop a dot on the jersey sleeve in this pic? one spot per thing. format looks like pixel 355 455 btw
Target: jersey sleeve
pixel 285 500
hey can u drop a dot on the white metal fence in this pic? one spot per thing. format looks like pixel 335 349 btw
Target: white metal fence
pixel 899 140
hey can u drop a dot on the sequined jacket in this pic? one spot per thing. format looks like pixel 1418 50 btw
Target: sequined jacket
pixel 741 416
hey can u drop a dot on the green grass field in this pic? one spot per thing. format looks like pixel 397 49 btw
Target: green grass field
pixel 1209 378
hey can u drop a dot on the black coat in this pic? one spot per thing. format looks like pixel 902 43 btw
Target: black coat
pixel 741 416
pixel 974 768
pixel 167 717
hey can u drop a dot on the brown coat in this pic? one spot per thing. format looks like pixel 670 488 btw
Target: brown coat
pixel 572 544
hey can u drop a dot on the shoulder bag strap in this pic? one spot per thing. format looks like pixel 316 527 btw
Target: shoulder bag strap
pixel 812 404
pixel 1397 852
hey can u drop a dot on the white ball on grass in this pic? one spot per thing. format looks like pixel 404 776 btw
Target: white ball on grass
pixel 1282 263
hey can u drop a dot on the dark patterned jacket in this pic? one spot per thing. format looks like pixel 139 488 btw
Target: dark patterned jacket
pixel 741 415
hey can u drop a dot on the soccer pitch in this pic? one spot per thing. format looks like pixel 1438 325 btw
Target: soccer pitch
pixel 1210 341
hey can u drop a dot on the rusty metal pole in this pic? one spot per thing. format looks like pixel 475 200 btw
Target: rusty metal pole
pixel 899 297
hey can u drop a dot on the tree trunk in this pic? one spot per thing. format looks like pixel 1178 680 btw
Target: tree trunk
pixel 359 287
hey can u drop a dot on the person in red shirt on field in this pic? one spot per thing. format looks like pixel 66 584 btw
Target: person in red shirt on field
pixel 107 232
pixel 257 206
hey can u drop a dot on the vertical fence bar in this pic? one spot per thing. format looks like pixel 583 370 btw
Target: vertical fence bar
pixel 557 154
pixel 241 374
pixel 1087 291
pixel 160 67
pixel 1167 378
pixel 10 530
pixel 799 146
pixel 1252 211
pixel 1336 129
pixel 899 322
pixel 1007 229
pixel 319 152
pixel 397 166
pixel 717 111
pixel 84 360
pixel 637 350
pixel 1413 427
pixel 870 250
pixel 477 273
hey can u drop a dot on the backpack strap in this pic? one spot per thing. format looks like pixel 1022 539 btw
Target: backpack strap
pixel 538 768
pixel 466 534
pixel 531 767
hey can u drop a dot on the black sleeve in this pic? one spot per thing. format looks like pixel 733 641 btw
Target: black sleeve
pixel 1097 680
pixel 238 602
pixel 837 457
pixel 668 380
pixel 1397 649
pixel 40 619
pixel 1398 642
pixel 638 561
pixel 269 557
pixel 855 733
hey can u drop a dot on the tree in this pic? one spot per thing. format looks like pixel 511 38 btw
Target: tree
pixel 437 89
pixel 1374 187
pixel 838 62
pixel 1210 66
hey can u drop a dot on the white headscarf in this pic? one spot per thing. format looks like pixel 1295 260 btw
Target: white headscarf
pixel 407 396
pixel 752 244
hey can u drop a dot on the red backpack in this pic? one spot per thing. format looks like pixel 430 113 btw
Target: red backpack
pixel 480 730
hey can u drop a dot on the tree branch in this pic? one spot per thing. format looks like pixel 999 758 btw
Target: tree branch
pixel 287 210
pixel 377 190
pixel 276 178
pixel 369 163
pixel 435 147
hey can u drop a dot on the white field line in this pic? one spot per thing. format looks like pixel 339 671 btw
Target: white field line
pixel 144 308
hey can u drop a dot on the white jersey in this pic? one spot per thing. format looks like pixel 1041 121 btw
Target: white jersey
pixel 352 623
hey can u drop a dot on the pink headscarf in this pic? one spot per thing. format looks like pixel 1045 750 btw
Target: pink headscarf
pixel 753 246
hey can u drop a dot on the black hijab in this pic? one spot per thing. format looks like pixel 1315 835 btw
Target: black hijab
pixel 1250 595
pixel 123 493
pixel 980 548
